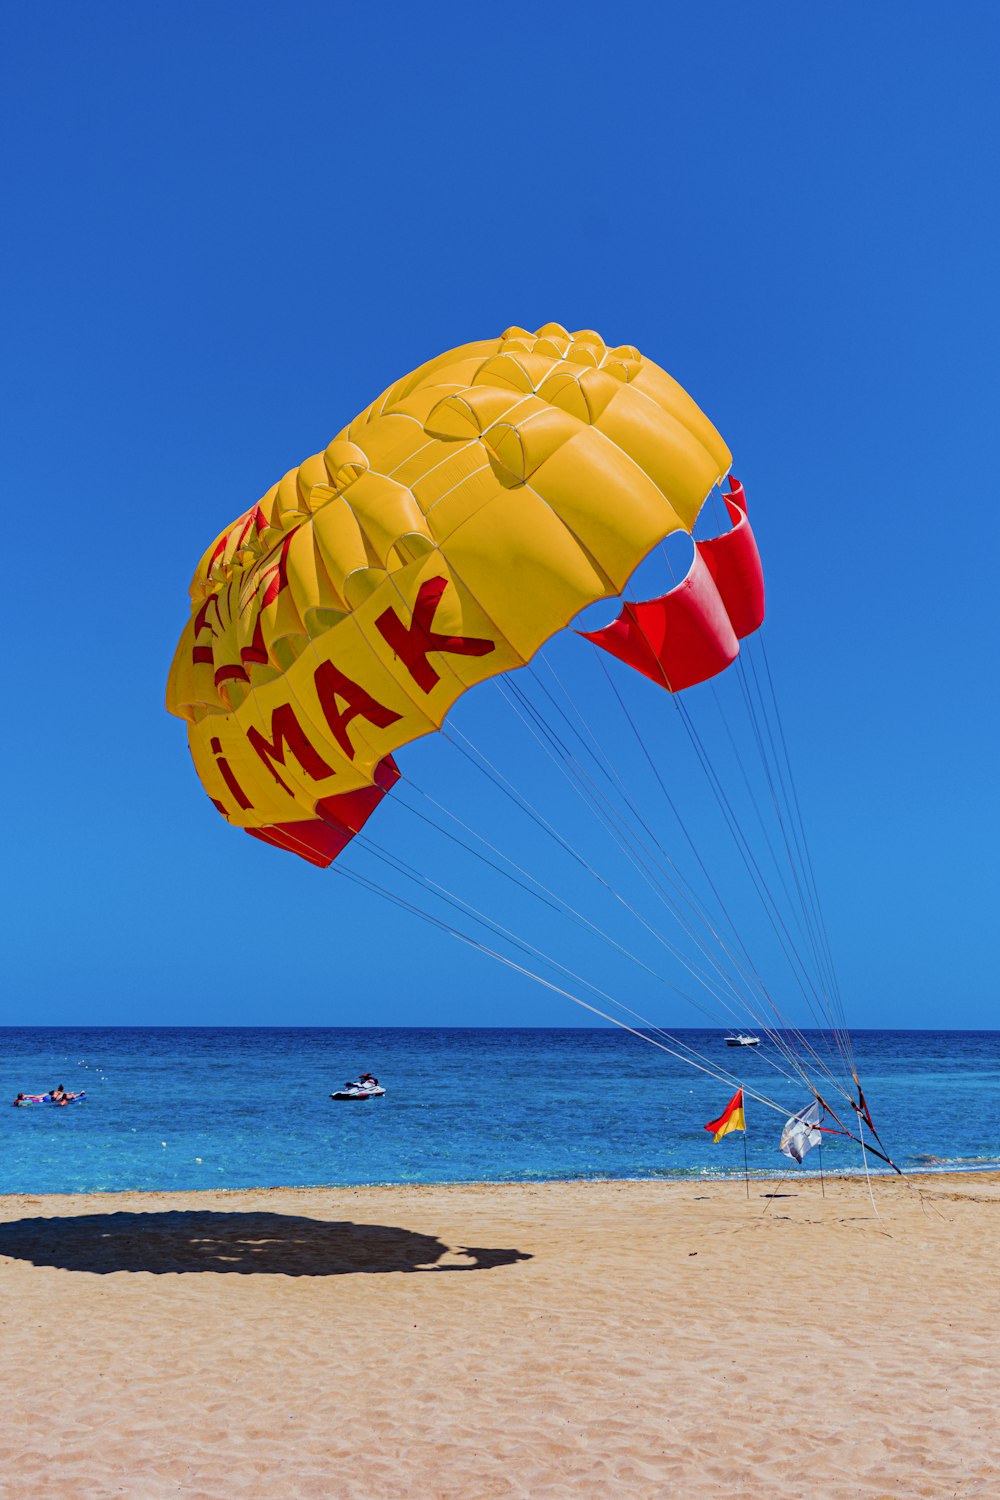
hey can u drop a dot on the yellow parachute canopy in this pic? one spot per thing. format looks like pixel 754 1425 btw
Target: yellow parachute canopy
pixel 443 536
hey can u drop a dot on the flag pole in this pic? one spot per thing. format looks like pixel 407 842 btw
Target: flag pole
pixel 746 1169
pixel 822 1180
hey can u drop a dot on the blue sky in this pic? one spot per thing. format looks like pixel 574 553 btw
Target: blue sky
pixel 229 226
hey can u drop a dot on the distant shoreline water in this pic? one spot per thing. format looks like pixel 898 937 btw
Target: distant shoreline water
pixel 248 1107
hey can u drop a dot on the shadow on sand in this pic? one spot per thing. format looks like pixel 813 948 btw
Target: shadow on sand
pixel 245 1243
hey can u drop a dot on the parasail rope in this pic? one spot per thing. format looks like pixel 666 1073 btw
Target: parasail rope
pixel 735 829
pixel 680 1050
pixel 695 970
pixel 824 992
pixel 720 1075
pixel 805 844
pixel 771 911
pixel 606 765
pixel 492 925
pixel 626 839
pixel 806 927
pixel 556 903
pixel 499 780
pixel 783 767
pixel 546 731
pixel 687 1055
pixel 758 981
pixel 754 802
pixel 778 924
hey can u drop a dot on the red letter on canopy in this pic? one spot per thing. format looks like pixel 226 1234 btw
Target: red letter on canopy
pixel 413 642
pixel 287 731
pixel 333 684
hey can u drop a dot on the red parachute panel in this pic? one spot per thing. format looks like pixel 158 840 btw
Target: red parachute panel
pixel 319 840
pixel 693 632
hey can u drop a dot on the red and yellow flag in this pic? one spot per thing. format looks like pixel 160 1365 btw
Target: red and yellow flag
pixel 730 1119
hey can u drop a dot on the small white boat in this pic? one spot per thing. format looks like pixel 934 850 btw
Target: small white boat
pixel 742 1039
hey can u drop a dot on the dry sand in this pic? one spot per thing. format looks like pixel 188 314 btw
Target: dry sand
pixel 559 1340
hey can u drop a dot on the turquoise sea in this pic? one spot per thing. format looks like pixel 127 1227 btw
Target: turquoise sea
pixel 210 1108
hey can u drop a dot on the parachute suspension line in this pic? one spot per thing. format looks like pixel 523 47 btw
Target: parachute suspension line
pixel 760 984
pixel 685 1054
pixel 843 1038
pixel 800 912
pixel 501 781
pixel 612 822
pixel 777 1039
pixel 695 970
pixel 458 903
pixel 778 792
pixel 541 892
pixel 806 884
pixel 550 899
pixel 783 768
pixel 529 884
pixel 798 969
pixel 606 765
pixel 805 845
pixel 497 929
pixel 754 802
pixel 824 996
pixel 715 497
pixel 626 842
pixel 712 1071
pixel 654 885
pixel 796 965
pixel 757 979
pixel 481 762
pixel 806 927
pixel 747 969
pixel 679 957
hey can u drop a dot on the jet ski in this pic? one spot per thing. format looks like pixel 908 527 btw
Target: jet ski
pixel 366 1087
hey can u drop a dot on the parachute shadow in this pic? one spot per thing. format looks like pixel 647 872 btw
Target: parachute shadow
pixel 246 1244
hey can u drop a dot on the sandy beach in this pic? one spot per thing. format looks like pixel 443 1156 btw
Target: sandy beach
pixel 558 1340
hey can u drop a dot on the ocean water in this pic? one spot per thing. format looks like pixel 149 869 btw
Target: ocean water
pixel 211 1108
